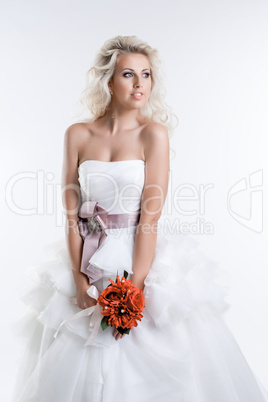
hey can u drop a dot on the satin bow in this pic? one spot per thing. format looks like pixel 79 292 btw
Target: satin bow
pixel 94 311
pixel 92 229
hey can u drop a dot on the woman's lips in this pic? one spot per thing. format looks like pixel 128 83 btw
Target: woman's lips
pixel 136 96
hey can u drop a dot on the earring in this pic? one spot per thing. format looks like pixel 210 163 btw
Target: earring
pixel 111 92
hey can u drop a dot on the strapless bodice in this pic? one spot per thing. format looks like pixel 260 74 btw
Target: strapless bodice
pixel 116 186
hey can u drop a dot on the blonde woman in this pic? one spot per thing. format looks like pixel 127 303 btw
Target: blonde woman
pixel 116 163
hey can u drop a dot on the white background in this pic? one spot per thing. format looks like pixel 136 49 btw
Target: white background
pixel 215 61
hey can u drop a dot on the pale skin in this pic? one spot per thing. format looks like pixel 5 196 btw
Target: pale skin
pixel 121 134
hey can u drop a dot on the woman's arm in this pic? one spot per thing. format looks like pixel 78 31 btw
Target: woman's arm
pixel 71 199
pixel 156 148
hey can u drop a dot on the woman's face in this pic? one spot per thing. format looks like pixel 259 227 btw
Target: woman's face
pixel 132 76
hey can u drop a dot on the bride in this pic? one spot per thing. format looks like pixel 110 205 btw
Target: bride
pixel 117 162
pixel 122 133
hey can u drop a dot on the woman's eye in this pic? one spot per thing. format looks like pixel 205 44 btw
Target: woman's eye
pixel 148 74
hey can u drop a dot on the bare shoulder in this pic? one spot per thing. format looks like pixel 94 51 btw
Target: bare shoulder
pixel 155 138
pixel 77 131
pixel 154 132
pixel 76 135
pixel 74 138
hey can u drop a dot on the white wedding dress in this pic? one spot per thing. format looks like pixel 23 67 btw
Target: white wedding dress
pixel 181 350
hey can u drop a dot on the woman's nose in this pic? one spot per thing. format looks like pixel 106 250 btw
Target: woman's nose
pixel 138 84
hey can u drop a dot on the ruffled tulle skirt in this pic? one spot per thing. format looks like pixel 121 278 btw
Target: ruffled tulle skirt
pixel 181 350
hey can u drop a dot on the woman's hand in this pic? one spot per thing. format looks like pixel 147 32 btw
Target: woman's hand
pixel 83 299
pixel 82 285
pixel 117 334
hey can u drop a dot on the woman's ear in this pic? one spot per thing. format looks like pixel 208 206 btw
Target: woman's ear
pixel 110 87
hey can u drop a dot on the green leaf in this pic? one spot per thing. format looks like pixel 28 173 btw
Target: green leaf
pixel 125 274
pixel 104 323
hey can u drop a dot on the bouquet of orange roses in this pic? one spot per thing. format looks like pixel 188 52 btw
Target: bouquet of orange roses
pixel 122 304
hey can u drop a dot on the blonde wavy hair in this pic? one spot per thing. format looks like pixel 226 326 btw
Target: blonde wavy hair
pixel 96 96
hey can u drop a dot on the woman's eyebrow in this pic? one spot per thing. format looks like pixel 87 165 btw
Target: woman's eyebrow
pixel 127 68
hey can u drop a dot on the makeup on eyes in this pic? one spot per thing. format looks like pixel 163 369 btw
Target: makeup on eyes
pixel 128 72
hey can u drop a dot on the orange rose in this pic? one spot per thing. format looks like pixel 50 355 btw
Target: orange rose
pixel 110 295
pixel 135 299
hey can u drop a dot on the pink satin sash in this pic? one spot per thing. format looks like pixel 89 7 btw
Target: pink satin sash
pixel 93 221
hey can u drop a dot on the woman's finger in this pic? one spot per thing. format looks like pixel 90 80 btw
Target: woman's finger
pixel 117 334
